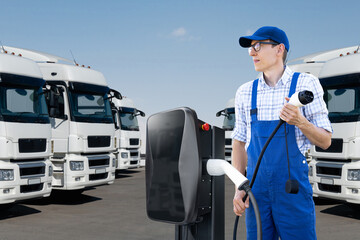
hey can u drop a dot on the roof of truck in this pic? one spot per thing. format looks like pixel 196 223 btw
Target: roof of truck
pixel 337 62
pixel 55 68
pixel 326 55
pixel 18 65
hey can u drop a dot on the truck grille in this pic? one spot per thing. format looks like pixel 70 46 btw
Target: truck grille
pixel 99 162
pixel 27 160
pixel 98 141
pixel 228 141
pixel 134 154
pixel 30 145
pixel 331 171
pixel 333 160
pixel 32 169
pixel 228 152
pixel 134 141
pixel 134 162
pixel 329 188
pixel 335 147
pixel 31 188
pixel 94 177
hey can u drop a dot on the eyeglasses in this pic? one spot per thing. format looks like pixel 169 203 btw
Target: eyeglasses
pixel 257 46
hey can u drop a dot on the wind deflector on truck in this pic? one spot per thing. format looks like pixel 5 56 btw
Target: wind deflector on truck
pixel 21 80
pixel 88 88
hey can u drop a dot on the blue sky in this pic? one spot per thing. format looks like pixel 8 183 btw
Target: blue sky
pixel 165 54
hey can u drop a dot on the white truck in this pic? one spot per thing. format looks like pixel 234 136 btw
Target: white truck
pixel 335 172
pixel 82 142
pixel 127 132
pixel 228 126
pixel 25 132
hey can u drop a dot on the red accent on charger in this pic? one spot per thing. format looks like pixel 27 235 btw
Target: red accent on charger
pixel 205 127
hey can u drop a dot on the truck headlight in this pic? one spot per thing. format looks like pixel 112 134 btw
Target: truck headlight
pixel 50 171
pixel 124 155
pixel 6 175
pixel 310 171
pixel 114 162
pixel 76 165
pixel 353 175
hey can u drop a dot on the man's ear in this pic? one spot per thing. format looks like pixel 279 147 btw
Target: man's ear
pixel 281 49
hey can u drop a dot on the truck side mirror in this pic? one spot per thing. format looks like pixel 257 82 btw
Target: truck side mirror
pixel 53 101
pixel 141 113
pixel 173 166
pixel 118 95
pixel 113 93
pixel 53 95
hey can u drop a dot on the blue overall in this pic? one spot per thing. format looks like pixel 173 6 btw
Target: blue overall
pixel 284 215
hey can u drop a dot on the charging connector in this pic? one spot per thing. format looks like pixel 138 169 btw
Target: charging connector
pixel 219 167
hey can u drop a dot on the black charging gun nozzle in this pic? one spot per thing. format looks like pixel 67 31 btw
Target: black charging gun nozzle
pixel 306 97
pixel 245 186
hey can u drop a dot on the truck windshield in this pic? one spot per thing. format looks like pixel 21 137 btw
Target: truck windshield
pixel 229 119
pixel 342 97
pixel 128 119
pixel 90 107
pixel 22 104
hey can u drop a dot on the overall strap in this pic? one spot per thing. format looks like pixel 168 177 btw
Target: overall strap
pixel 293 83
pixel 253 111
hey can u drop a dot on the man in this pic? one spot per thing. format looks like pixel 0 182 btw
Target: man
pixel 258 106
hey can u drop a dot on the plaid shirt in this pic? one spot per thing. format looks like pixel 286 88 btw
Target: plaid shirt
pixel 270 101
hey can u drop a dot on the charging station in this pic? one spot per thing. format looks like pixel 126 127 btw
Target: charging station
pixel 179 190
pixel 185 169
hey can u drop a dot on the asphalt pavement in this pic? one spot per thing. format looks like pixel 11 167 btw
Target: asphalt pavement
pixel 118 211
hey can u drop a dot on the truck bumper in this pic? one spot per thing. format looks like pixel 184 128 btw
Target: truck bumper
pixel 334 183
pixel 127 159
pixel 98 170
pixel 25 186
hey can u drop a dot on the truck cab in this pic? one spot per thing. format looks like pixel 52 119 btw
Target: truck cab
pixel 127 132
pixel 335 172
pixel 228 125
pixel 25 132
pixel 82 126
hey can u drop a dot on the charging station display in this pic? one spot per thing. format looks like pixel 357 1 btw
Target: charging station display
pixel 165 197
pixel 173 166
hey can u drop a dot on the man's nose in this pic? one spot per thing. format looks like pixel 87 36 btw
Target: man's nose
pixel 251 51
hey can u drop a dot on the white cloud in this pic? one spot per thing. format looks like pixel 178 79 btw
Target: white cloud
pixel 179 32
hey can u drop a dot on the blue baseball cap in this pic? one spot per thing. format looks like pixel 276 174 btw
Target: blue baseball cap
pixel 266 33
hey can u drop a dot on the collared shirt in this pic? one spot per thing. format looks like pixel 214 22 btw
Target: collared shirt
pixel 270 101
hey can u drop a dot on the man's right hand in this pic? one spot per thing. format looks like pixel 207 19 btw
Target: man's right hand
pixel 239 205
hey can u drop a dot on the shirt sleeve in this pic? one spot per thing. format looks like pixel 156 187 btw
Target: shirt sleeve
pixel 239 132
pixel 316 111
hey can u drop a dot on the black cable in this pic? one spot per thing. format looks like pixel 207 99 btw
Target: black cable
pixel 291 186
pixel 257 215
pixel 235 227
pixel 247 189
pixel 287 150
